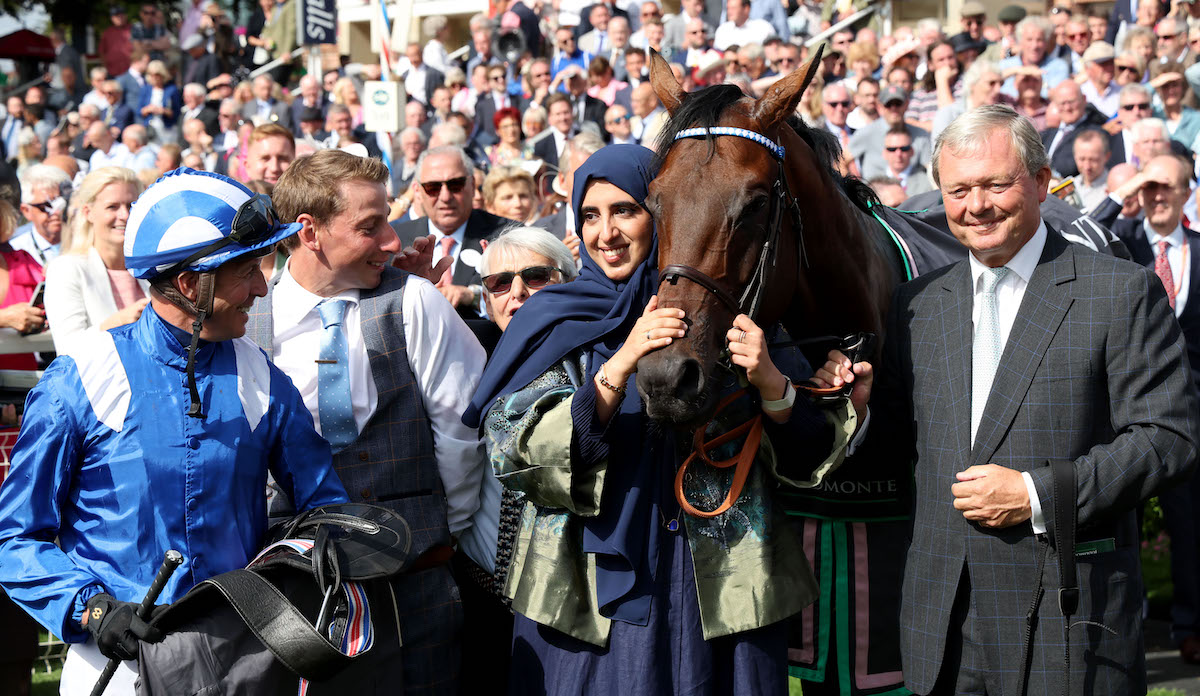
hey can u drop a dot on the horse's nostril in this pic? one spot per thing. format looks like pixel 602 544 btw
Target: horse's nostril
pixel 691 381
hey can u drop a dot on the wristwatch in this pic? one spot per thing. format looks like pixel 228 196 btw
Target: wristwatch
pixel 783 404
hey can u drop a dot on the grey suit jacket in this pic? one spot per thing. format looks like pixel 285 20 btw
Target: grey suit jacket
pixel 1094 371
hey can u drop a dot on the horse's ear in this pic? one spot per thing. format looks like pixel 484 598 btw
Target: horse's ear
pixel 782 97
pixel 668 89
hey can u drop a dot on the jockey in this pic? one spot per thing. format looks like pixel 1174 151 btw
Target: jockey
pixel 159 435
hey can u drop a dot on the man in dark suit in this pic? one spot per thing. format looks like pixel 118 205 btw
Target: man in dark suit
pixel 1161 242
pixel 195 107
pixel 584 108
pixel 392 413
pixel 445 188
pixel 419 79
pixel 120 114
pixel 496 98
pixel 309 98
pixel 1074 356
pixel 585 17
pixel 1077 115
pixel 198 64
pixel 134 79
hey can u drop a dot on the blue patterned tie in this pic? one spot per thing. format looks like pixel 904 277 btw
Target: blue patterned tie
pixel 333 377
pixel 986 349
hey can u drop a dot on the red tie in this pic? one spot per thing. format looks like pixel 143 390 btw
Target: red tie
pixel 1162 268
pixel 447 243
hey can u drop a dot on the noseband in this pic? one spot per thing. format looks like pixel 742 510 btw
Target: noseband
pixel 781 200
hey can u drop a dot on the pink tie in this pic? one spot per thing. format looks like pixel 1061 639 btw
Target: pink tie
pixel 1162 268
pixel 447 243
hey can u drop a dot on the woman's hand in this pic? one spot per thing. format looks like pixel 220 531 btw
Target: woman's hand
pixel 838 371
pixel 748 349
pixel 23 317
pixel 655 329
pixel 127 315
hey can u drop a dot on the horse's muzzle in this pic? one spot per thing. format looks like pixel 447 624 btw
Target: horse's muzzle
pixel 674 387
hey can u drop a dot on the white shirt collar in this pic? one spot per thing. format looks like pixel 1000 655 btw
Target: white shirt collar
pixel 458 234
pixel 1022 263
pixel 1174 239
pixel 293 302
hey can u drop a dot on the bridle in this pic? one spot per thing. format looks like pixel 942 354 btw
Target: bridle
pixel 781 200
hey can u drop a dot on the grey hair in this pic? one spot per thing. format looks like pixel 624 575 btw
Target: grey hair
pixel 927 24
pixel 968 131
pixel 1040 23
pixel 451 135
pixel 90 109
pixel 412 129
pixel 432 25
pixel 1181 27
pixel 752 51
pixel 1134 33
pixel 454 74
pixel 468 165
pixel 531 239
pixel 584 142
pixel 834 85
pixel 1155 123
pixel 195 88
pixel 114 85
pixel 480 22
pixel 976 72
pixel 1134 88
pixel 42 177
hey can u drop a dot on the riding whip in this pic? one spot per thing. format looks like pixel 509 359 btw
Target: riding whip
pixel 172 559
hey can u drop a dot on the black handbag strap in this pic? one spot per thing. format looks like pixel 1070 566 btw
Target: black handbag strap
pixel 1063 474
pixel 279 625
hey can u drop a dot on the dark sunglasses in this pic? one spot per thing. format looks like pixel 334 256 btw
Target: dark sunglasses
pixel 899 148
pixel 1127 68
pixel 619 119
pixel 844 104
pixel 534 277
pixel 1139 106
pixel 254 223
pixel 433 188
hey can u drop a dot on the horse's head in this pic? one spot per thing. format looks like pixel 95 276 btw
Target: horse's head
pixel 712 199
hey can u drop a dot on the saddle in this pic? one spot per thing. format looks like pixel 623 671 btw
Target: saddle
pixel 305 602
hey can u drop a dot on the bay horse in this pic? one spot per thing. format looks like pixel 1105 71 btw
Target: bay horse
pixel 752 218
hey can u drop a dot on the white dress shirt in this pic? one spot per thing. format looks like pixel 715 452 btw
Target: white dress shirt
pixel 459 235
pixel 1176 256
pixel 1009 293
pixel 446 360
pixel 38 247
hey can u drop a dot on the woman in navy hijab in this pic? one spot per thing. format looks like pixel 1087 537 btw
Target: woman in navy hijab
pixel 614 589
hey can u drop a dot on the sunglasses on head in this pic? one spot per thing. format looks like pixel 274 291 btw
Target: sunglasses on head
pixel 433 188
pixel 254 223
pixel 534 277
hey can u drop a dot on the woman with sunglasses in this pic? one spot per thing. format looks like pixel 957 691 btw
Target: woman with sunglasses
pixel 518 263
pixel 88 287
pixel 614 589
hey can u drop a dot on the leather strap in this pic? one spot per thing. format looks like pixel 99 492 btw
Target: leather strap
pixel 752 429
pixel 279 625
pixel 1063 475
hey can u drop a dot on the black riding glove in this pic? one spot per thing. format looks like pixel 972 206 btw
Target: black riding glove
pixel 116 627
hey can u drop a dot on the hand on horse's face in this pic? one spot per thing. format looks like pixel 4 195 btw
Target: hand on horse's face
pixel 837 371
pixel 655 329
pixel 748 349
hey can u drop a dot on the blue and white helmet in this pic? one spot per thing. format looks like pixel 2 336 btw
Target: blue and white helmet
pixel 181 214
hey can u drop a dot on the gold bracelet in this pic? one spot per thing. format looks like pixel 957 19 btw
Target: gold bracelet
pixel 619 391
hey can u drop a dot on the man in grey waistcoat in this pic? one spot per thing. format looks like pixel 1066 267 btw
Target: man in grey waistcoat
pixel 386 367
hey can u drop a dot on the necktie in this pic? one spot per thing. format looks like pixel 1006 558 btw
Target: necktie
pixel 447 243
pixel 601 42
pixel 986 348
pixel 333 377
pixel 1162 269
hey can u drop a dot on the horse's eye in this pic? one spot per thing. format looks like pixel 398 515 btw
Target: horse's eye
pixel 751 211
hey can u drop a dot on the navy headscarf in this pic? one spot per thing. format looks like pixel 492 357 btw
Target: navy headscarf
pixel 595 314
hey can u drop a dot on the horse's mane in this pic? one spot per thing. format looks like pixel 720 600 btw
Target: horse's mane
pixel 703 109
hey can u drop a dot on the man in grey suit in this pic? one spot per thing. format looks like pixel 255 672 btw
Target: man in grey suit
pixel 386 368
pixel 265 108
pixel 1074 356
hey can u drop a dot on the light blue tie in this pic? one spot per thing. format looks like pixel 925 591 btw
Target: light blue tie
pixel 986 348
pixel 333 377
